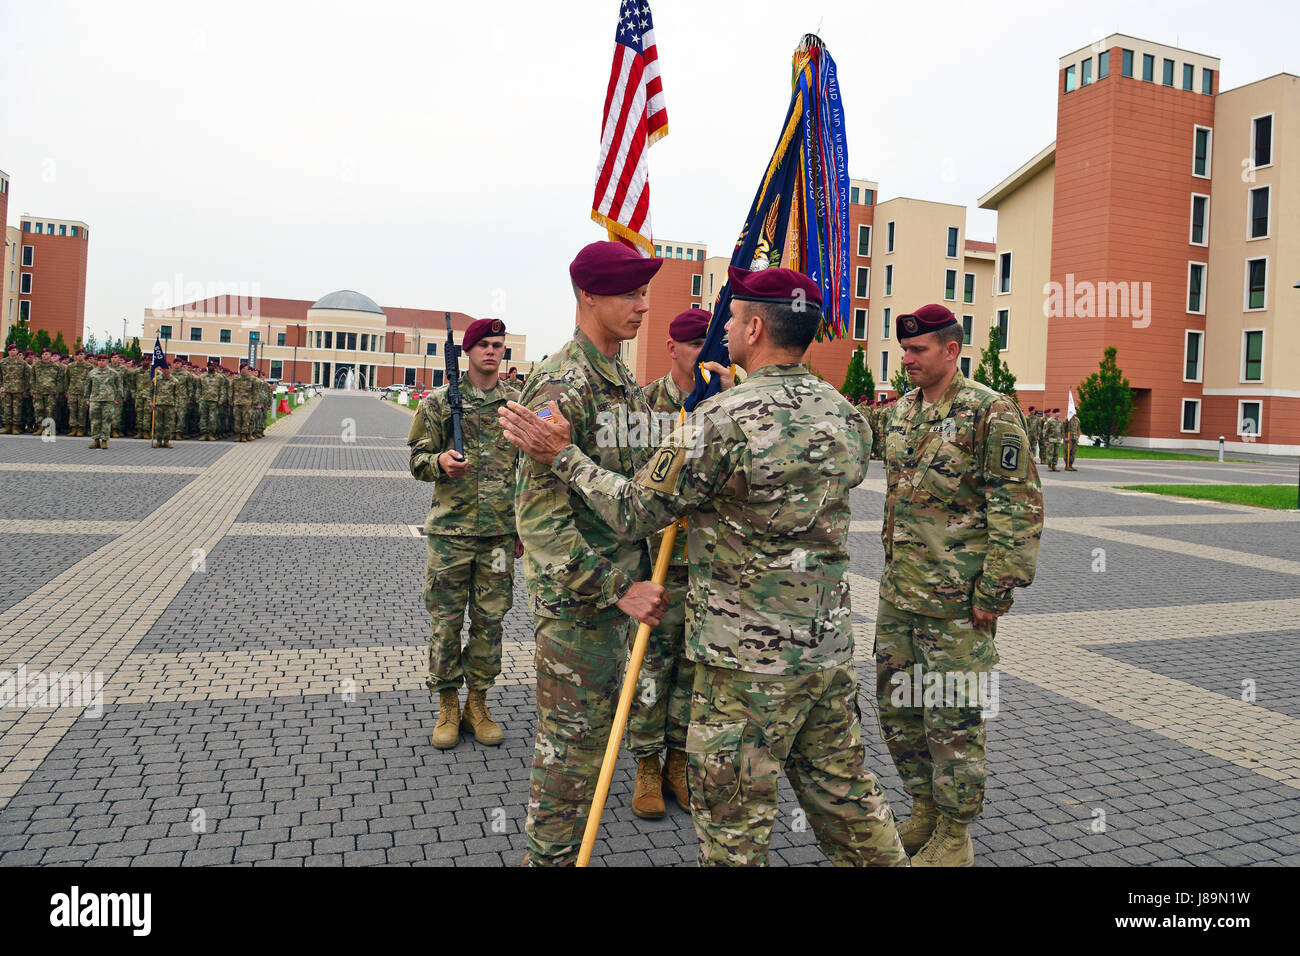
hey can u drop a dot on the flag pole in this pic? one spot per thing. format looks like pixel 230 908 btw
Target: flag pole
pixel 153 407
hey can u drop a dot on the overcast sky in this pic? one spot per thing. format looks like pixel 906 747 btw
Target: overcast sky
pixel 442 155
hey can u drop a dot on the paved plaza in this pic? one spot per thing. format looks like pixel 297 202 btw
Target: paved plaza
pixel 254 613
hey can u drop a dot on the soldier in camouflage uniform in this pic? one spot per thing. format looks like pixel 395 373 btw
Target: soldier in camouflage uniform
pixel 78 382
pixel 1072 433
pixel 1053 433
pixel 584 583
pixel 764 472
pixel 241 399
pixel 963 516
pixel 143 402
pixel 105 396
pixel 470 533
pixel 166 391
pixel 661 709
pixel 1031 432
pixel 45 388
pixel 209 403
pixel 15 381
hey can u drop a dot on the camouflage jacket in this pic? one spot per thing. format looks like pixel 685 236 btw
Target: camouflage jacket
pixel 1053 430
pixel 143 385
pixel 168 391
pixel 1072 428
pixel 764 472
pixel 482 501
pixel 574 564
pixel 241 390
pixel 14 374
pixel 79 379
pixel 46 377
pixel 665 400
pixel 963 507
pixel 105 385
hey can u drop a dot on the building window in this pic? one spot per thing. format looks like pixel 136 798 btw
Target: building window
pixel 968 289
pixel 952 242
pixel 659 251
pixel 950 285
pixel 868 197
pixel 1259 202
pixel 1196 287
pixel 225 336
pixel 863 283
pixel 430 348
pixel 696 284
pixel 365 341
pixel 25 310
pixel 889 237
pixel 165 332
pixel 1085 73
pixel 884 329
pixel 967 324
pixel 889 280
pixel 352 341
pixel 25 284
pixel 29 253
pixel 860 324
pixel 965 366
pixel 1070 85
pixel 329 340
pixel 1126 62
pixel 884 366
pixel 1191 415
pixel 1004 273
pixel 408 377
pixel 1103 64
pixel 1148 67
pixel 508 350
pixel 1200 209
pixel 1207 81
pixel 1256 273
pixel 254 337
pixel 1192 357
pixel 853 195
pixel 1189 74
pixel 1252 352
pixel 279 338
pixel 1168 75
pixel 27 226
pixel 196 333
pixel 1004 329
pixel 277 368
pixel 864 240
pixel 1261 140
pixel 1249 416
pixel 1201 153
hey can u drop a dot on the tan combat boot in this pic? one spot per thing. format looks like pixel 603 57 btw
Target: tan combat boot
pixel 477 721
pixel 167 443
pixel 94 444
pixel 155 444
pixel 917 829
pixel 446 733
pixel 949 846
pixel 675 778
pixel 648 798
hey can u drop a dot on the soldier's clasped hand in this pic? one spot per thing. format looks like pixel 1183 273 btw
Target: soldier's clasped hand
pixel 645 601
pixel 539 438
pixel 452 465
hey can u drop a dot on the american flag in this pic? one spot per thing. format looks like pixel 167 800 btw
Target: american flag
pixel 635 117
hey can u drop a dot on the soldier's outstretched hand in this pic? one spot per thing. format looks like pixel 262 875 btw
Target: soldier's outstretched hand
pixel 645 601
pixel 540 435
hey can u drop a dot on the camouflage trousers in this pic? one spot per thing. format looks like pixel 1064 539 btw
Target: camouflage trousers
pixel 144 417
pixel 209 414
pixel 938 750
pixel 745 728
pixel 43 406
pixel 11 404
pixel 1071 449
pixel 579 673
pixel 661 709
pixel 243 419
pixel 101 419
pixel 164 428
pixel 1052 454
pixel 480 572
pixel 76 411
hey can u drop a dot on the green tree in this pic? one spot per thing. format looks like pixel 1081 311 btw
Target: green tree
pixel 133 350
pixel 994 372
pixel 40 341
pixel 858 382
pixel 19 335
pixel 900 383
pixel 1106 401
pixel 59 345
pixel 91 345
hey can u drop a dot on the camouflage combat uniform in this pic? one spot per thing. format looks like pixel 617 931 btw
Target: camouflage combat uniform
pixel 78 384
pixel 661 709
pixel 210 403
pixel 470 534
pixel 144 403
pixel 963 515
pixel 46 376
pixel 764 472
pixel 15 380
pixel 167 393
pixel 1072 433
pixel 577 570
pixel 1053 433
pixel 1032 429
pixel 105 398
pixel 241 399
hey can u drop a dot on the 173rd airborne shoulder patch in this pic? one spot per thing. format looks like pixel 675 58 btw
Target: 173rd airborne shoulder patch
pixel 1007 451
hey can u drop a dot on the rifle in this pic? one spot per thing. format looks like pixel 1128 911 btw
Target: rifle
pixel 451 355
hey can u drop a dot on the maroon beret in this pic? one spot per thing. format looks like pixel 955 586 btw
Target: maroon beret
pixel 689 325
pixel 480 328
pixel 928 318
pixel 773 285
pixel 611 268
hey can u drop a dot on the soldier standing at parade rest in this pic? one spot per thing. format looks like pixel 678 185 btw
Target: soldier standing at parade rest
pixel 963 516
pixel 1072 433
pixel 584 583
pixel 764 472
pixel 15 381
pixel 241 399
pixel 209 403
pixel 1055 433
pixel 45 387
pixel 1031 431
pixel 661 709
pixel 78 381
pixel 165 391
pixel 105 397
pixel 470 535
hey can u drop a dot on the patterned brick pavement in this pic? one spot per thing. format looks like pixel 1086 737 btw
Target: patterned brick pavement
pixel 254 613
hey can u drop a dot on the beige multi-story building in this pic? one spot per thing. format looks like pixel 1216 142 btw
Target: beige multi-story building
pixel 343 340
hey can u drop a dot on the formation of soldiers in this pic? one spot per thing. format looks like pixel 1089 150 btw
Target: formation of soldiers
pixel 749 671
pixel 1051 437
pixel 877 415
pixel 60 394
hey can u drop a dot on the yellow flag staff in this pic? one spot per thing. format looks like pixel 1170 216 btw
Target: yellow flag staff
pixel 637 658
